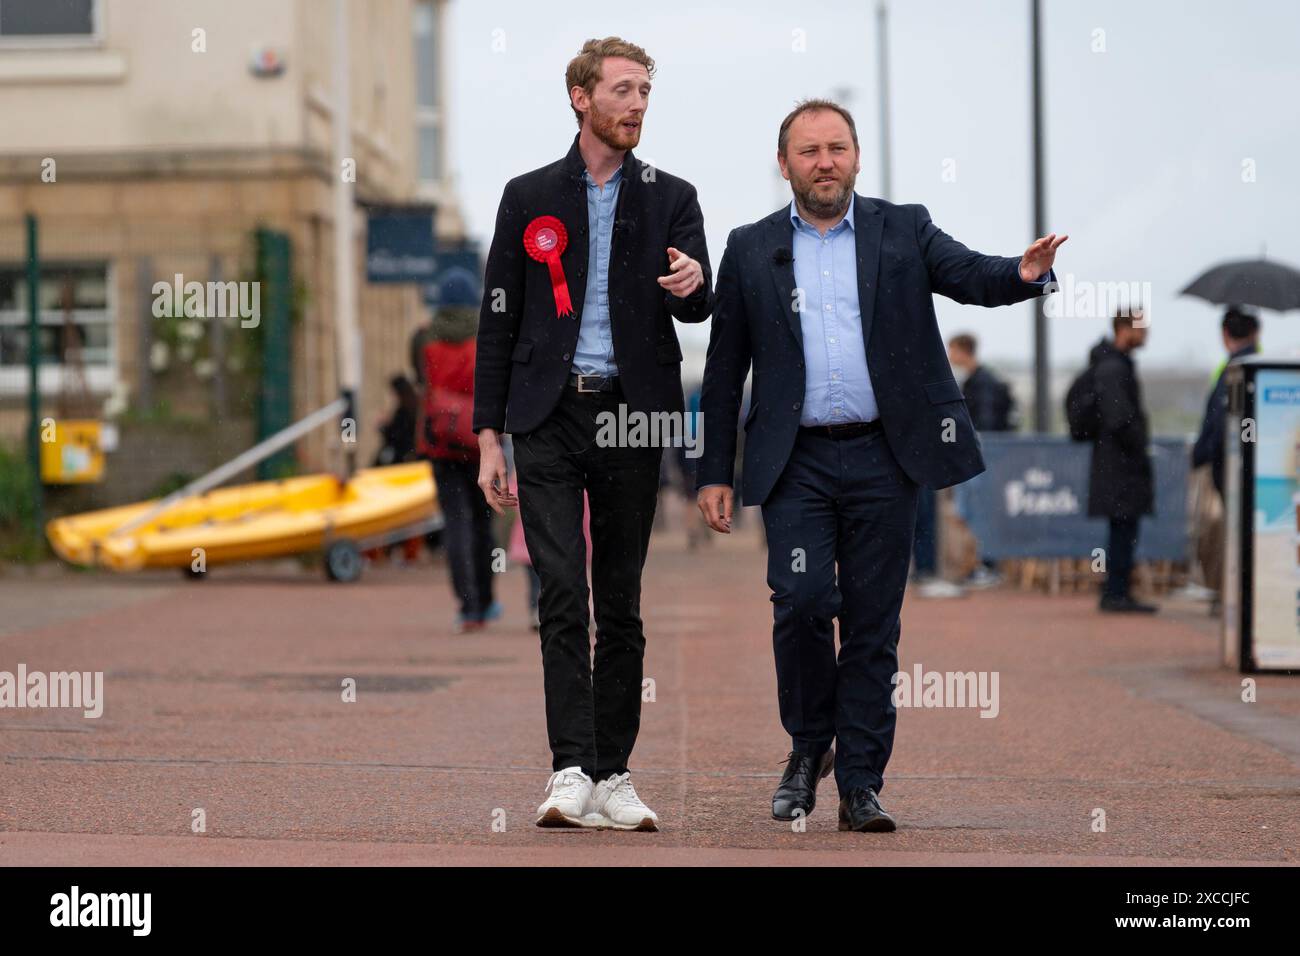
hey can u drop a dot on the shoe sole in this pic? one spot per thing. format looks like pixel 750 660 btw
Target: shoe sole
pixel 878 825
pixel 646 825
pixel 828 764
pixel 556 819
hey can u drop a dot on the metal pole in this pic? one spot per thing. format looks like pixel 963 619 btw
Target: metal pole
pixel 882 60
pixel 34 371
pixel 347 335
pixel 263 449
pixel 1042 367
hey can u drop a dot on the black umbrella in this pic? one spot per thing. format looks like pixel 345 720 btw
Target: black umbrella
pixel 1258 282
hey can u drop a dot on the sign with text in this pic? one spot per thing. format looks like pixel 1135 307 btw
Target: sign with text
pixel 399 245
pixel 1033 500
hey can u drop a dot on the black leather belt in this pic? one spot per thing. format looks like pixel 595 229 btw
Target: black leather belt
pixel 846 430
pixel 594 383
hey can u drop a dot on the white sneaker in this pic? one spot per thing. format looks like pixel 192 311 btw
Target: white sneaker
pixel 569 801
pixel 938 588
pixel 616 801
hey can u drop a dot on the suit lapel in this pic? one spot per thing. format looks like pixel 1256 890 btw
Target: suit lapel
pixel 570 199
pixel 869 225
pixel 782 237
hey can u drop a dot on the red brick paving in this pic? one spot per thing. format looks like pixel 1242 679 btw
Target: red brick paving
pixel 225 695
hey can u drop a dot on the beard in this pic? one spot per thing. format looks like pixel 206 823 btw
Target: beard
pixel 608 128
pixel 821 204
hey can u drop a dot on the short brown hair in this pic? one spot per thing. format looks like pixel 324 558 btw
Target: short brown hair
pixel 1125 317
pixel 584 69
pixel 812 106
pixel 963 341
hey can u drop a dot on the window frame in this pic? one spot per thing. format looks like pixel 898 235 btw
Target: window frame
pixel 101 374
pixel 58 41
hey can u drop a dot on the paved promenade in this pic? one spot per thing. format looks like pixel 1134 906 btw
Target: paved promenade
pixel 225 695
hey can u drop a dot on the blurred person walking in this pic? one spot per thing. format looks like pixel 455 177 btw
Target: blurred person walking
pixel 992 408
pixel 1240 331
pixel 448 441
pixel 988 398
pixel 398 445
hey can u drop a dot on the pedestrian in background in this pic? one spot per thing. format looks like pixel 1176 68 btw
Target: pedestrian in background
pixel 1240 338
pixel 1120 483
pixel 398 446
pixel 992 408
pixel 989 400
pixel 449 442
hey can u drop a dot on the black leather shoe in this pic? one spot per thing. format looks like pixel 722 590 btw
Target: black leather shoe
pixel 861 812
pixel 798 787
pixel 1125 605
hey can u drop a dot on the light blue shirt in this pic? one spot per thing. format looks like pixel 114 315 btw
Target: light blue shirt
pixel 837 386
pixel 594 354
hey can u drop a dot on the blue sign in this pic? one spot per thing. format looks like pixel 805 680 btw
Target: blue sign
pixel 459 279
pixel 399 245
pixel 1032 502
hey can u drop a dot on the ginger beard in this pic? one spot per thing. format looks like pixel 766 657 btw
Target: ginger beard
pixel 609 128
pixel 825 200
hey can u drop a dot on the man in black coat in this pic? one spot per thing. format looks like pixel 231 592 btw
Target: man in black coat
pixel 853 405
pixel 989 400
pixel 593 258
pixel 1120 485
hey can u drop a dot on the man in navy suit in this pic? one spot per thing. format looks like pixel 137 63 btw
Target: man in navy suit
pixel 853 406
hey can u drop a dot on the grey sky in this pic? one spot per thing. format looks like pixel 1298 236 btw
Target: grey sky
pixel 1145 141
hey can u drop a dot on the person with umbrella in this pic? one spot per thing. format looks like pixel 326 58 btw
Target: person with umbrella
pixel 1240 338
pixel 1258 283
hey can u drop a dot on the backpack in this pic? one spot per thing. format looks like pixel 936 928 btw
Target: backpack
pixel 449 398
pixel 1083 407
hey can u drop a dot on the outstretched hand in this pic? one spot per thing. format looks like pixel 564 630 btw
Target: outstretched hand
pixel 1038 258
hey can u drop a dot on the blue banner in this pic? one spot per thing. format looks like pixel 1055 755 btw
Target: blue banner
pixel 399 245
pixel 1032 502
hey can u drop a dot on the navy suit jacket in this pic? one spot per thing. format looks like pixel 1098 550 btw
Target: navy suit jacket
pixel 902 260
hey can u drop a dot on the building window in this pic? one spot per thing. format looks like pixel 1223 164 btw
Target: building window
pixel 49 22
pixel 428 112
pixel 76 319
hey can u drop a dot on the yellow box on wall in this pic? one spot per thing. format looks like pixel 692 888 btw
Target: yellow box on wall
pixel 76 454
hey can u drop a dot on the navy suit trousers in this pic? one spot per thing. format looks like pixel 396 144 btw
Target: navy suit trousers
pixel 840 524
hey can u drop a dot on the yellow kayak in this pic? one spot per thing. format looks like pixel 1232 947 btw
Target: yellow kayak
pixel 262 520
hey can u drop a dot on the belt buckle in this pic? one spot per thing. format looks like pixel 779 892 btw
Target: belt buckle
pixel 586 391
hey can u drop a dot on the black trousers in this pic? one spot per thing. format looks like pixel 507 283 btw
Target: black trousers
pixel 593 712
pixel 1119 555
pixel 468 535
pixel 840 525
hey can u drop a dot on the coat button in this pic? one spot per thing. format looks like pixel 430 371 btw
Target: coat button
pixel 796 406
pixel 566 357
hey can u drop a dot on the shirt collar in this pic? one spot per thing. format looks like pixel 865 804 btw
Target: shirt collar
pixel 612 181
pixel 798 220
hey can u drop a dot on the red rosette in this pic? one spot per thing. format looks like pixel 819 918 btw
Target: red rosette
pixel 545 240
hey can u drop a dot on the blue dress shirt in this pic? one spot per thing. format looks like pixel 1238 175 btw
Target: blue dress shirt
pixel 837 386
pixel 594 354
